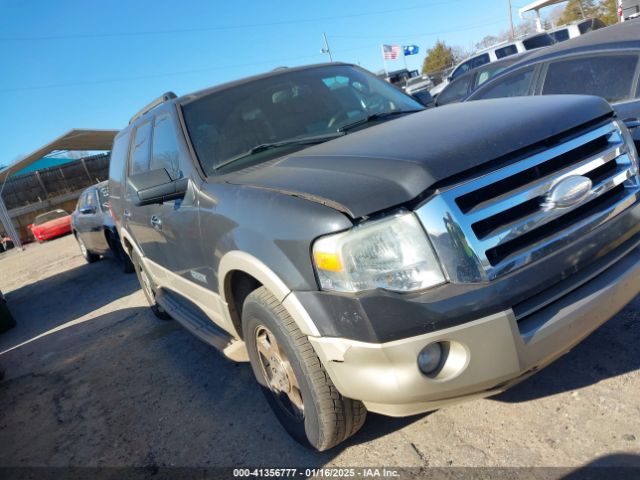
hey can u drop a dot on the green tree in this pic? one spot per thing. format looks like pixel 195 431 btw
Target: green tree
pixel 608 11
pixel 439 57
pixel 574 10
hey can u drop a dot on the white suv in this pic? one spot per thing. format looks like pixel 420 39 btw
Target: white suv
pixel 494 53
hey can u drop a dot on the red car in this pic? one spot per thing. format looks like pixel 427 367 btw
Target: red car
pixel 51 225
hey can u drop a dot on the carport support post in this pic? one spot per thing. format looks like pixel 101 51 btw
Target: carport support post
pixel 44 189
pixel 539 22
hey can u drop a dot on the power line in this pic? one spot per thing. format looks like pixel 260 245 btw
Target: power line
pixel 224 27
pixel 224 67
pixel 489 21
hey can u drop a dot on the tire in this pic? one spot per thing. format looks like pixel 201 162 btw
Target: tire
pixel 7 322
pixel 126 265
pixel 148 288
pixel 326 418
pixel 88 256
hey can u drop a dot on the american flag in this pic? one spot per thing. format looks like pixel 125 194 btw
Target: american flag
pixel 390 52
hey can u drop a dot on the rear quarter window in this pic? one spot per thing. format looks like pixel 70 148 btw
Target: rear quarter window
pixel 118 161
pixel 609 77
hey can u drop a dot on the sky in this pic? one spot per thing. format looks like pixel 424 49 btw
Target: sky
pixel 89 64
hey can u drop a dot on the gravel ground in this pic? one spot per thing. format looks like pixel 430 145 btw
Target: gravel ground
pixel 102 382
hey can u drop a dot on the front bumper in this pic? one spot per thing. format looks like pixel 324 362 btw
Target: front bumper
pixel 492 353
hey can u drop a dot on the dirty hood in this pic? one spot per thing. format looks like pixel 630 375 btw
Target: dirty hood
pixel 394 162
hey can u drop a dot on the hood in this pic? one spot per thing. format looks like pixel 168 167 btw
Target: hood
pixel 394 162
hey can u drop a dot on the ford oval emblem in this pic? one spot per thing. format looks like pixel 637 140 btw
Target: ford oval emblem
pixel 568 192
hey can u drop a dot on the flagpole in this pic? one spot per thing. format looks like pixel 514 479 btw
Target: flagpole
pixel 386 71
pixel 404 58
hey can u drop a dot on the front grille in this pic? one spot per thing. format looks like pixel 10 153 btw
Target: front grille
pixel 503 218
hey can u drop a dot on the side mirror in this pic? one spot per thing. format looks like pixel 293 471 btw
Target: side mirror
pixel 424 98
pixel 156 186
pixel 88 210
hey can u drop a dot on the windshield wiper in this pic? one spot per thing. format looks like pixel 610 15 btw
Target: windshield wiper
pixel 374 117
pixel 310 140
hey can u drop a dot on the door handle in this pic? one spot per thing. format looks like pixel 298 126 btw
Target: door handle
pixel 156 222
pixel 126 213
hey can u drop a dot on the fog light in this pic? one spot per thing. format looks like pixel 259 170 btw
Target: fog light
pixel 429 358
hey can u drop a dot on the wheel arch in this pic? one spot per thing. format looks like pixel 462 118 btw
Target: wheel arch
pixel 239 271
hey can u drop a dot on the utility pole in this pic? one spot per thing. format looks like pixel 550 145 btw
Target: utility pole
pixel 513 33
pixel 326 48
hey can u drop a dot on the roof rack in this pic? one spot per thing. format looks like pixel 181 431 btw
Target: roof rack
pixel 165 97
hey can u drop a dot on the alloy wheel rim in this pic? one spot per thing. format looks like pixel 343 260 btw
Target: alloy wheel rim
pixel 278 373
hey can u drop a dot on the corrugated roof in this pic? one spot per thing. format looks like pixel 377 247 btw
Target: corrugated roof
pixel 76 139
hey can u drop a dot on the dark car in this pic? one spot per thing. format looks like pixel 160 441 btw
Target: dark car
pixel 366 254
pixel 603 63
pixel 94 229
pixel 6 319
pixel 461 87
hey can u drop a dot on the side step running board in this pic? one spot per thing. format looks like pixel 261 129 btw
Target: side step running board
pixel 193 319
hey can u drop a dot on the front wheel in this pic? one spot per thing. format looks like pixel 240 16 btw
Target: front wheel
pixel 296 385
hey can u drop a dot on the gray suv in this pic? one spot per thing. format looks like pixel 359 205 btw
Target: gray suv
pixel 365 254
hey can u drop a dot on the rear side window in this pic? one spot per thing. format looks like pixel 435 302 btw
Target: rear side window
pixel 514 85
pixel 506 51
pixel 455 91
pixel 560 35
pixel 139 159
pixel 165 145
pixel 609 77
pixel 538 41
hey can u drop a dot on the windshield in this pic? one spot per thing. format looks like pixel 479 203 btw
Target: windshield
pixel 47 217
pixel 308 104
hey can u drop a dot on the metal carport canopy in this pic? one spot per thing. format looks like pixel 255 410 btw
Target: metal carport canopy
pixel 535 7
pixel 76 139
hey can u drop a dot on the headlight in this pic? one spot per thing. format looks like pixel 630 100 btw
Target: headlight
pixel 392 254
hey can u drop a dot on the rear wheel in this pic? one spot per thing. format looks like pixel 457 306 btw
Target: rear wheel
pixel 295 383
pixel 88 256
pixel 126 265
pixel 149 289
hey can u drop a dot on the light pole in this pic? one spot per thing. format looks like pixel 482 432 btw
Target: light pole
pixel 513 33
pixel 326 48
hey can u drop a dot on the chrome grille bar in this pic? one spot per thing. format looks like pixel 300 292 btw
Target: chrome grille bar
pixel 490 225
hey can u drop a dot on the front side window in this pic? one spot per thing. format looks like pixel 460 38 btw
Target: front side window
pixel 274 115
pixel 514 85
pixel 455 91
pixel 609 77
pixel 165 145
pixel 139 159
